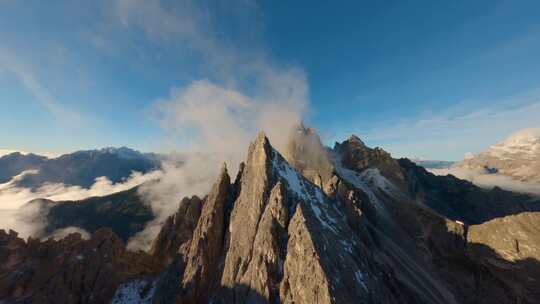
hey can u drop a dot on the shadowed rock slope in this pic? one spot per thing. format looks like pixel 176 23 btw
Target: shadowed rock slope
pixel 123 212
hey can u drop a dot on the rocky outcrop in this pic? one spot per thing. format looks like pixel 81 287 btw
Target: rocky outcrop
pixel 265 271
pixel 514 237
pixel 306 153
pixel 248 208
pixel 71 270
pixel 355 155
pixel 207 243
pixel 304 278
pixel 176 233
pixel 509 248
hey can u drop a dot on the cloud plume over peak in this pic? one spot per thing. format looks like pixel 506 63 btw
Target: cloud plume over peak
pixel 212 119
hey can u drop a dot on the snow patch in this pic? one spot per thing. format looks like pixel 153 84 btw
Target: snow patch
pixel 305 191
pixel 524 142
pixel 359 276
pixel 7 152
pixel 123 152
pixel 370 181
pixel 348 246
pixel 135 292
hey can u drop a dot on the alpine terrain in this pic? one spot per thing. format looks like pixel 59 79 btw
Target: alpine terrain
pixel 348 224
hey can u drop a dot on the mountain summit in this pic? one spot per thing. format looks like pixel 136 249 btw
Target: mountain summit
pixel 518 157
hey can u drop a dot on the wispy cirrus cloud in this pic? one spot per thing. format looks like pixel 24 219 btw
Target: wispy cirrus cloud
pixel 465 127
pixel 27 75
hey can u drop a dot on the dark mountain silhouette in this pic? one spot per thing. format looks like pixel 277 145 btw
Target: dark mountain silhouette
pixel 123 212
pixel 15 163
pixel 462 200
pixel 80 168
pixel 433 164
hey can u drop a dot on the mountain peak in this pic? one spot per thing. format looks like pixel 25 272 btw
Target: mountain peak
pixel 4 152
pixel 522 144
pixel 526 134
pixel 261 138
pixel 516 157
pixel 355 139
pixel 223 169
pixel 123 152
pixel 260 148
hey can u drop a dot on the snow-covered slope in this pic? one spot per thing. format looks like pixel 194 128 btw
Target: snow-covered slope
pixel 517 157
pixel 512 164
pixel 7 152
pixel 524 144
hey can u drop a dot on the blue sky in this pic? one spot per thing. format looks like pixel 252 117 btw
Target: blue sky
pixel 432 79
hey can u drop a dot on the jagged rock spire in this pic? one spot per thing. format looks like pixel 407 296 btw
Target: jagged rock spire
pixel 207 243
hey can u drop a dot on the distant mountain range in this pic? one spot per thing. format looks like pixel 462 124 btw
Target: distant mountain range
pixel 433 164
pixel 7 151
pixel 15 163
pixel 79 168
pixel 512 164
pixel 517 157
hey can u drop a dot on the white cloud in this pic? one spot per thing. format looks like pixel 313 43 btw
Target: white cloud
pixel 30 220
pixel 9 151
pixel 13 197
pixel 489 180
pixel 465 127
pixel 61 233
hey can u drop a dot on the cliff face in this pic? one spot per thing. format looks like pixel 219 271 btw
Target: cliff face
pixel 350 225
pixel 176 233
